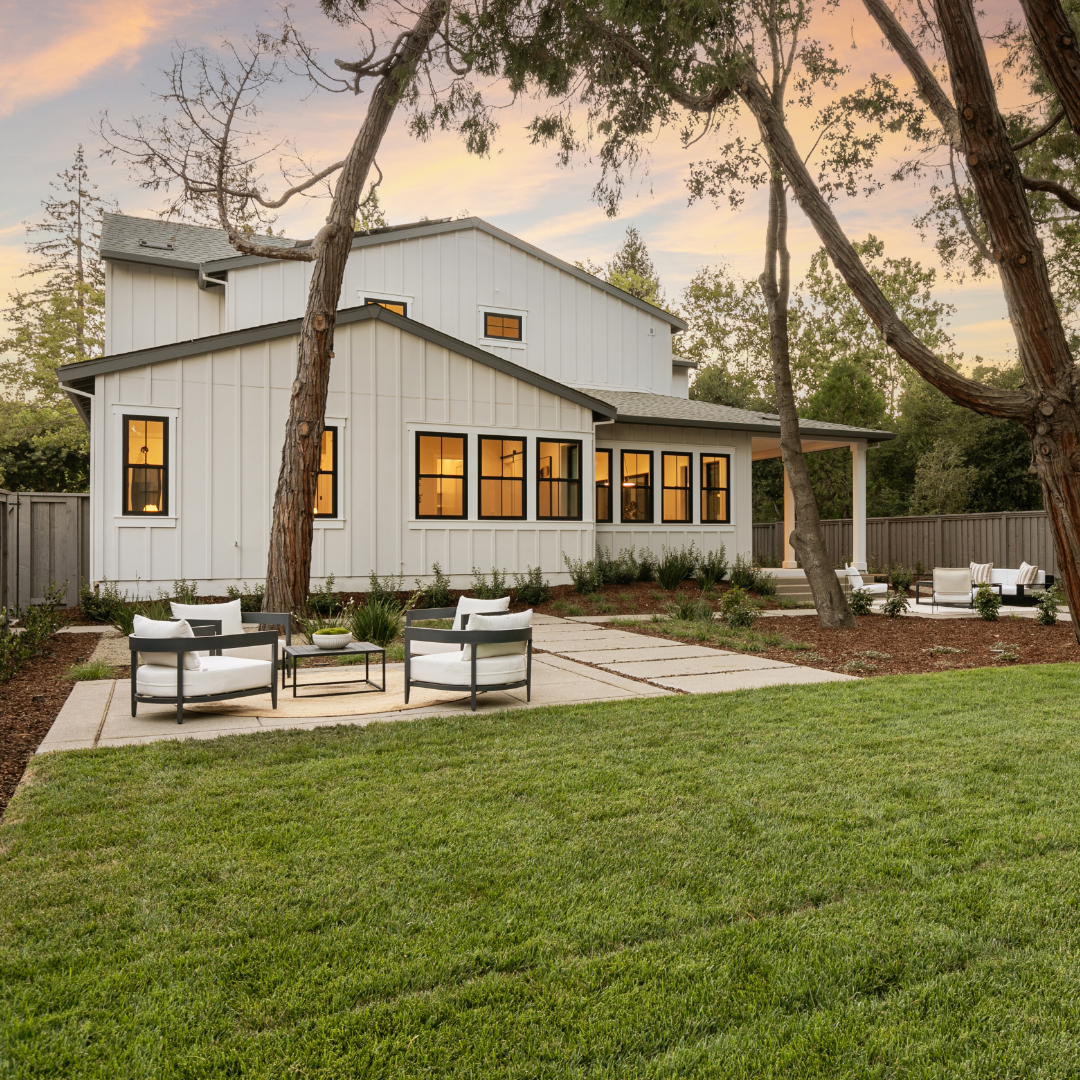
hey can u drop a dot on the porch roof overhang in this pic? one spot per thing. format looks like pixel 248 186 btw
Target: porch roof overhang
pixel 635 407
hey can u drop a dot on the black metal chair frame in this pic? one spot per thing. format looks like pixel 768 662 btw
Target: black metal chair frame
pixel 464 637
pixel 213 642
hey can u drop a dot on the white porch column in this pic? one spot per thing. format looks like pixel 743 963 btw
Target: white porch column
pixel 858 505
pixel 790 562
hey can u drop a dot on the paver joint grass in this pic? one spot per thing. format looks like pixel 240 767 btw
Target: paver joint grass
pixel 874 879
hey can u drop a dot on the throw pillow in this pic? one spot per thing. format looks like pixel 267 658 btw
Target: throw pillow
pixel 470 604
pixel 232 621
pixel 980 573
pixel 518 621
pixel 154 628
pixel 1027 574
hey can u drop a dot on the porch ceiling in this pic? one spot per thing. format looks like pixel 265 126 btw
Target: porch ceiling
pixel 763 447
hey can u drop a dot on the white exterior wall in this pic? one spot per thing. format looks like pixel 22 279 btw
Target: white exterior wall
pixel 227 411
pixel 157 305
pixel 737 537
pixel 574 332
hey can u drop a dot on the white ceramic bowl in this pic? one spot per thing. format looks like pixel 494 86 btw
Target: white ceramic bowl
pixel 332 641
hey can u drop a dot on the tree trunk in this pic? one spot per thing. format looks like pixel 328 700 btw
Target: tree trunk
pixel 289 563
pixel 806 539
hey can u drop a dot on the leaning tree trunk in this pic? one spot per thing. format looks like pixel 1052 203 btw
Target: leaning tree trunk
pixel 289 563
pixel 806 538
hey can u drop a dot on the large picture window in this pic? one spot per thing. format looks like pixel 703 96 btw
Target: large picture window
pixel 603 485
pixel 715 488
pixel 440 476
pixel 637 492
pixel 558 493
pixel 502 477
pixel 326 478
pixel 677 499
pixel 146 470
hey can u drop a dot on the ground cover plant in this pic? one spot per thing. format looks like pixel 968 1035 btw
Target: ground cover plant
pixel 865 879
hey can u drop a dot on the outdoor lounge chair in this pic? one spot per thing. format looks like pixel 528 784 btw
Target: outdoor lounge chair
pixel 951 587
pixel 855 580
pixel 495 655
pixel 173 672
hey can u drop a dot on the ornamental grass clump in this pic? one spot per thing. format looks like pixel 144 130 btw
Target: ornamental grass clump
pixel 379 621
pixel 676 565
pixel 737 610
pixel 711 568
pixel 691 609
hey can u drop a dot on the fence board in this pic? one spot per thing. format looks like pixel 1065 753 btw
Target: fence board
pixel 44 537
pixel 1006 540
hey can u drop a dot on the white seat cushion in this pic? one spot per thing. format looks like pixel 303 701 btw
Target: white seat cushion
pixel 216 675
pixel 467 603
pixel 520 620
pixel 232 622
pixel 161 628
pixel 453 671
pixel 952 598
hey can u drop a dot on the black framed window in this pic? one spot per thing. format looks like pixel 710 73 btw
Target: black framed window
pixel 146 465
pixel 440 476
pixel 502 477
pixel 398 307
pixel 502 326
pixel 558 479
pixel 603 485
pixel 715 488
pixel 326 477
pixel 677 500
pixel 637 485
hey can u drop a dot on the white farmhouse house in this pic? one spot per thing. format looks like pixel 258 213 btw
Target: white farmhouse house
pixel 490 405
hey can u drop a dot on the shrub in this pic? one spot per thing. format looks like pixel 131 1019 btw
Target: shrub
pixel 987 602
pixel 102 602
pixel 483 591
pixel 763 559
pixel 586 574
pixel 1047 602
pixel 899 578
pixel 385 588
pixel 39 623
pixel 531 588
pixel 646 566
pixel 676 565
pixel 743 573
pixel 896 605
pixel 324 601
pixel 737 610
pixel 92 669
pixel 437 594
pixel 186 592
pixel 711 568
pixel 861 602
pixel 622 570
pixel 250 596
pixel 691 609
pixel 764 583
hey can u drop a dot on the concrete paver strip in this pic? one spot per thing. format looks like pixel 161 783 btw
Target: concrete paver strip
pixel 611 656
pixel 610 678
pixel 695 665
pixel 78 721
pixel 751 680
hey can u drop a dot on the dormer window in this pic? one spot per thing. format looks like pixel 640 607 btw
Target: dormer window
pixel 506 327
pixel 398 307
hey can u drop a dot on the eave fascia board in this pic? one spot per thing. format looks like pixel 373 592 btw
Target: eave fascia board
pixel 150 260
pixel 845 435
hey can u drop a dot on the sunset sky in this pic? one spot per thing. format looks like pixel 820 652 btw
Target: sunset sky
pixel 65 63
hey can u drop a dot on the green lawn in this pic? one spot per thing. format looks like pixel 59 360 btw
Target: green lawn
pixel 852 880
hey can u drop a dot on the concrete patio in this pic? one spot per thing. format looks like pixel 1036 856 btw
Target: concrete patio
pixel 574 662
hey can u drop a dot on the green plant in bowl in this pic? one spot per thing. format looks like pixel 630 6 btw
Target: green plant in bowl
pixel 333 630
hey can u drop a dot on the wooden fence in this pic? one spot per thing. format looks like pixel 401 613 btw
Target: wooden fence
pixel 44 537
pixel 1006 540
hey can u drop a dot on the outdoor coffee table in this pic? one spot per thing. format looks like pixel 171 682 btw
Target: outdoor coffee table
pixel 354 648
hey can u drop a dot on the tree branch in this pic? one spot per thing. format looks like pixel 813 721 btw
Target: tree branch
pixel 1035 136
pixel 1051 187
pixel 976 239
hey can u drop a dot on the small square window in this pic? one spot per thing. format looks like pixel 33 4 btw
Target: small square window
pixel 398 307
pixel 507 327
pixel 146 466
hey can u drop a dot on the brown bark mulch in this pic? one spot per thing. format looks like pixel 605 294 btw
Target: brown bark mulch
pixel 24 722
pixel 906 646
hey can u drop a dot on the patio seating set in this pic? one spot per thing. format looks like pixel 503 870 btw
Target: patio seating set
pixel 959 586
pixel 202 654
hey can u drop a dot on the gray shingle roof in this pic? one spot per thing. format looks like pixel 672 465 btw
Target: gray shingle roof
pixel 635 407
pixel 169 243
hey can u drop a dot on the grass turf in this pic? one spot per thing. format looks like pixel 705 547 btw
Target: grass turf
pixel 849 880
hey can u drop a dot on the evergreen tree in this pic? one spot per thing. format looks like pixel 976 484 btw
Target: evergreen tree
pixel 630 269
pixel 60 320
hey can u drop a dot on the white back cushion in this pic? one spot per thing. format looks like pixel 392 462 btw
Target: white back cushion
pixel 153 628
pixel 518 621
pixel 470 604
pixel 980 573
pixel 1027 574
pixel 854 578
pixel 232 622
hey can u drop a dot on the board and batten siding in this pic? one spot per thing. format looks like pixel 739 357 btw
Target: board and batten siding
pixel 737 537
pixel 227 412
pixel 574 332
pixel 148 305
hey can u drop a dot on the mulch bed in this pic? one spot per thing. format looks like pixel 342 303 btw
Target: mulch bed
pixel 24 722
pixel 904 644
